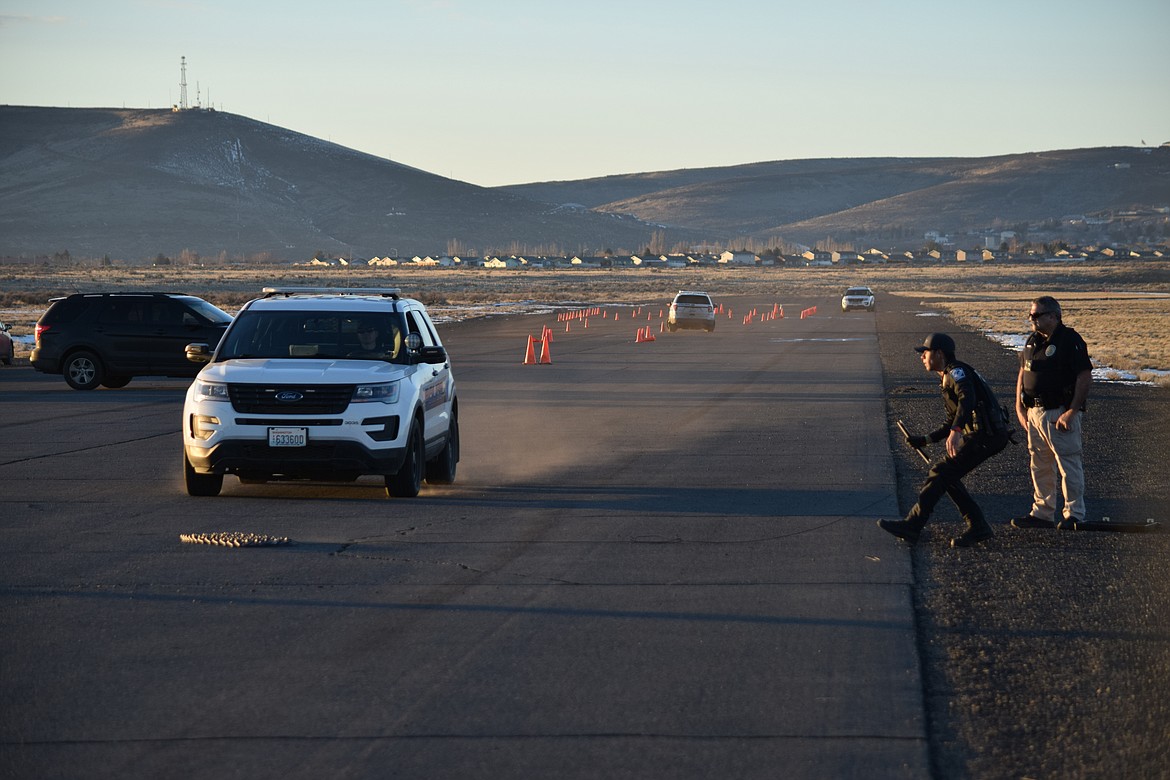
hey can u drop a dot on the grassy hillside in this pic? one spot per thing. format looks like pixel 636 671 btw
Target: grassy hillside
pixel 808 200
pixel 134 183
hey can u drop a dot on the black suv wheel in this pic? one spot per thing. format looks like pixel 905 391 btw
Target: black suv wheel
pixel 82 370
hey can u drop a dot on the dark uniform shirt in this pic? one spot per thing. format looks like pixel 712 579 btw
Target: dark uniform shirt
pixel 970 404
pixel 1051 365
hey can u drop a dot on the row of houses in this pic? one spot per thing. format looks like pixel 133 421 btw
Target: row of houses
pixel 520 261
pixel 808 258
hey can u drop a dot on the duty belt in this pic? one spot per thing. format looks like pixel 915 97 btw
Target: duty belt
pixel 1040 403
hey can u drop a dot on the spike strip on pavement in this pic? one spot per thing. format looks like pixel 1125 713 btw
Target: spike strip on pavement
pixel 234 539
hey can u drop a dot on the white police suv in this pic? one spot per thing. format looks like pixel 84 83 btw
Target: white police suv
pixel 858 298
pixel 322 383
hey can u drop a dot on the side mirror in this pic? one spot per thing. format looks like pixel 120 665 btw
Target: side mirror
pixel 433 355
pixel 198 353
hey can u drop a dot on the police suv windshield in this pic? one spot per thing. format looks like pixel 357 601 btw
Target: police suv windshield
pixel 315 335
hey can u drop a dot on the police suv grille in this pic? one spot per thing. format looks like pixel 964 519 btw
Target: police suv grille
pixel 290 399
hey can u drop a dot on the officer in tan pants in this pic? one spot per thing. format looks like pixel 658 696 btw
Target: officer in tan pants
pixel 1055 374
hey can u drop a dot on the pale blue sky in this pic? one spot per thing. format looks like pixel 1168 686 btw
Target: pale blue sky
pixel 512 91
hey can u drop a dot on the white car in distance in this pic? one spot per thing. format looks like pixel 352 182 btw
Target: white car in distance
pixel 691 309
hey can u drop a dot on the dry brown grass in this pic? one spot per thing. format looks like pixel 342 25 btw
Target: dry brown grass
pixel 1120 308
pixel 1125 331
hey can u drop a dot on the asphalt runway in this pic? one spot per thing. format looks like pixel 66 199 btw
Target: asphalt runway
pixel 658 560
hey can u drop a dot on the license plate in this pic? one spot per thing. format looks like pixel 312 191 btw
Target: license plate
pixel 288 437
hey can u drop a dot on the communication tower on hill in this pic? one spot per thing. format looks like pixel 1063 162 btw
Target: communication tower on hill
pixel 182 83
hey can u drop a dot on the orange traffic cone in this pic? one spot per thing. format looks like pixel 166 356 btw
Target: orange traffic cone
pixel 530 355
pixel 545 353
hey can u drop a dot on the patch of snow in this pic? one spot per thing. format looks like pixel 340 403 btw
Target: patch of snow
pixel 1013 341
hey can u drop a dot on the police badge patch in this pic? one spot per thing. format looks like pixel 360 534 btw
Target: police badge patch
pixel 1050 351
pixel 958 375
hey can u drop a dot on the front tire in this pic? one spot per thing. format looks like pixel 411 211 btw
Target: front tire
pixel 200 484
pixel 83 370
pixel 441 470
pixel 408 481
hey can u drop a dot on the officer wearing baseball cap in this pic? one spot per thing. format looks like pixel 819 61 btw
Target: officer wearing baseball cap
pixel 975 428
pixel 937 341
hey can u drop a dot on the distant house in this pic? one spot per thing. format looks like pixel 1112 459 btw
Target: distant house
pixel 846 258
pixel 739 258
pixel 648 261
pixel 947 255
pixel 817 257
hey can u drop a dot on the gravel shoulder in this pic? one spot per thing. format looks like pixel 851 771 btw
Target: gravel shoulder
pixel 1045 654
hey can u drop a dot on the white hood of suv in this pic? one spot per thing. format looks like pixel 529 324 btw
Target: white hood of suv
pixel 303 371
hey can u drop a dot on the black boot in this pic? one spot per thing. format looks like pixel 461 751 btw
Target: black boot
pixel 977 531
pixel 903 529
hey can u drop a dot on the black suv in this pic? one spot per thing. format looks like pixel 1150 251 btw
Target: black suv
pixel 107 338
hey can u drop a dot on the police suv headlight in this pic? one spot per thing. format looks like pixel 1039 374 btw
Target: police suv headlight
pixel 386 393
pixel 211 391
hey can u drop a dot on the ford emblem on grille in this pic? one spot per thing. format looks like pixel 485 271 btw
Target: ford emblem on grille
pixel 289 396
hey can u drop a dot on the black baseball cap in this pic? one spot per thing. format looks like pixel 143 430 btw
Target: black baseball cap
pixel 938 341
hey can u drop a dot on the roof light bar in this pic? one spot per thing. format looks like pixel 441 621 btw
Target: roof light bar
pixel 385 292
